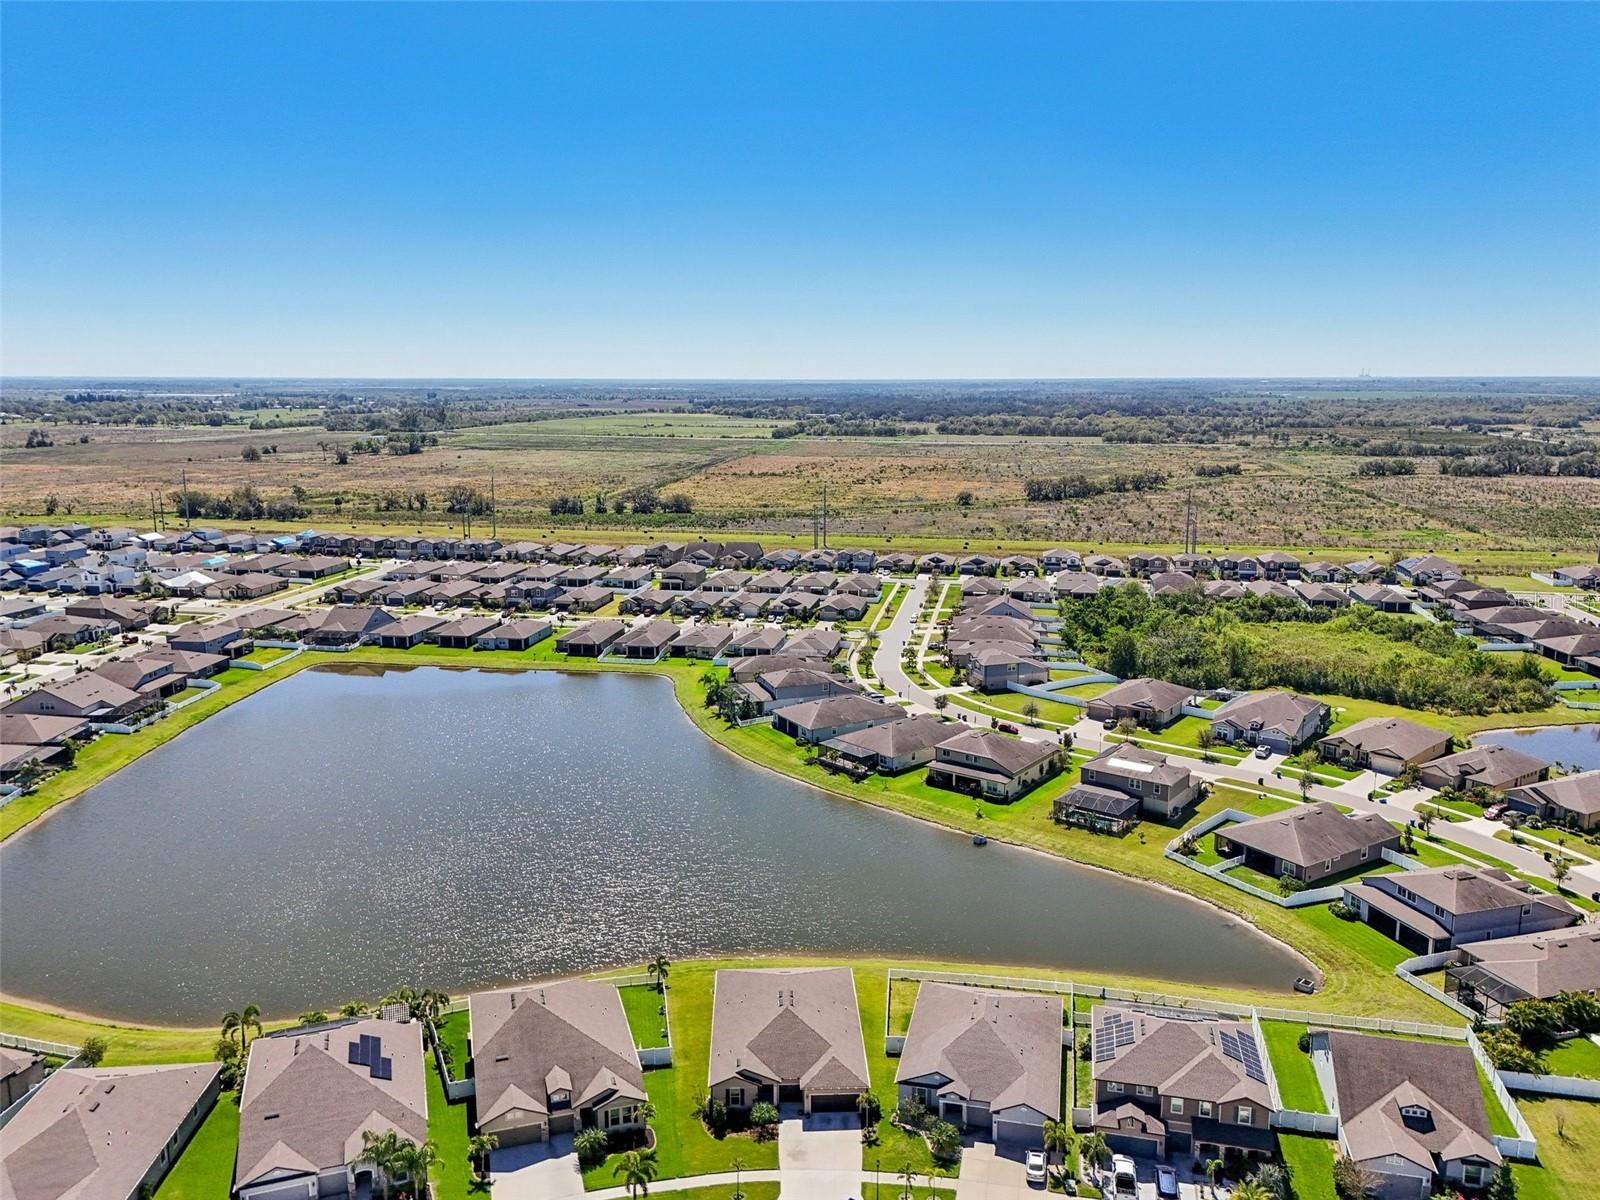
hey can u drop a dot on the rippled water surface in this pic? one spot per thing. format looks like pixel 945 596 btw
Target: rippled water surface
pixel 1574 746
pixel 349 829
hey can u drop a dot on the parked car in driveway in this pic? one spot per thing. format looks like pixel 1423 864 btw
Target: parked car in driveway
pixel 1166 1183
pixel 1033 1162
pixel 1494 812
pixel 1263 752
pixel 1124 1178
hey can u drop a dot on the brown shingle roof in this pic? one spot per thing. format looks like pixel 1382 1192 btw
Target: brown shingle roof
pixel 795 1026
pixel 1000 1048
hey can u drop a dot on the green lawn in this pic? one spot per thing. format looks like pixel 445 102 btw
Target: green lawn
pixel 1579 1056
pixel 1310 1163
pixel 1296 1079
pixel 1569 1147
pixel 643 1005
pixel 447 1130
pixel 205 1169
pixel 902 999
pixel 452 1029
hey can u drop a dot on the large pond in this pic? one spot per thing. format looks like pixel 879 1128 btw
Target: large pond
pixel 1573 746
pixel 350 829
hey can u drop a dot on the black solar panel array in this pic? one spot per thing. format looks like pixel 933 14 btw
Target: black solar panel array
pixel 1241 1047
pixel 368 1052
pixel 1116 1031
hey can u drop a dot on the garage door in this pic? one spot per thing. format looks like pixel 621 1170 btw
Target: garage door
pixel 521 1135
pixel 1122 1143
pixel 841 1102
pixel 1018 1133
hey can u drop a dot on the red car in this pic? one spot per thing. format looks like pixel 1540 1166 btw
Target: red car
pixel 1007 727
pixel 1494 811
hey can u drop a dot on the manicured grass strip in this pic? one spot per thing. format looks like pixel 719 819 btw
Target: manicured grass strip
pixel 643 1004
pixel 1297 1081
pixel 447 1129
pixel 1578 1056
pixel 895 1147
pixel 126 1045
pixel 1310 1163
pixel 453 1029
pixel 205 1169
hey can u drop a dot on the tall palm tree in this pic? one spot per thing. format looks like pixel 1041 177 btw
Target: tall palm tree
pixel 1249 1189
pixel 479 1147
pixel 660 966
pixel 910 1178
pixel 636 1168
pixel 238 1025
pixel 1095 1149
pixel 417 1163
pixel 353 1008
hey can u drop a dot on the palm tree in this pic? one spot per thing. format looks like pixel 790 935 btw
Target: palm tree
pixel 239 1024
pixel 1094 1148
pixel 660 966
pixel 353 1008
pixel 1214 1172
pixel 417 1163
pixel 1249 1189
pixel 381 1151
pixel 738 1167
pixel 1058 1138
pixel 479 1147
pixel 637 1168
pixel 910 1177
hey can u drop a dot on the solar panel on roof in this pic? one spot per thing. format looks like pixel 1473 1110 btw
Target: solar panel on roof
pixel 383 1069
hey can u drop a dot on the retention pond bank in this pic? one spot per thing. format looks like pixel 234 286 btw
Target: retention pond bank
pixel 353 828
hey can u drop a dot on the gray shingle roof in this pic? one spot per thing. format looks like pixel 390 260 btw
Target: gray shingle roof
pixel 797 1026
pixel 1000 1048
pixel 1313 833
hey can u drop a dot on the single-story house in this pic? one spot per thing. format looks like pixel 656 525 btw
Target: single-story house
pixel 831 716
pixel 590 640
pixel 647 642
pixel 1381 597
pixel 1411 1114
pixel 787 1034
pixel 1075 585
pixel 1492 976
pixel 20 1072
pixel 986 1061
pixel 462 633
pixel 128 614
pixel 1309 843
pixel 515 635
pixel 87 697
pixel 1281 721
pixel 1387 745
pixel 842 606
pixel 703 640
pixel 982 762
pixel 344 625
pixel 553 1058
pixel 408 631
pixel 105 1133
pixel 896 746
pixel 1153 703
pixel 784 686
pixel 1497 768
pixel 682 577
pixel 815 643
pixel 1060 559
pixel 1568 800
pixel 308 1095
pixel 582 599
pixel 759 639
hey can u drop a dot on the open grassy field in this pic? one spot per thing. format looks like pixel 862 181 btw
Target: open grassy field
pixel 741 478
pixel 1569 1146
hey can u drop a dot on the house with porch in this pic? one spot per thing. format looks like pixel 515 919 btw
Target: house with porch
pixel 986 1061
pixel 1281 721
pixel 983 762
pixel 1572 800
pixel 1492 976
pixel 590 640
pixel 1387 745
pixel 1152 703
pixel 1490 767
pixel 787 1035
pixel 553 1058
pixel 896 746
pixel 311 1092
pixel 813 721
pixel 1411 1114
pixel 1164 788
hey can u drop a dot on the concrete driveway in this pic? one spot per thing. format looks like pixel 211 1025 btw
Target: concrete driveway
pixel 537 1172
pixel 819 1157
pixel 988 1174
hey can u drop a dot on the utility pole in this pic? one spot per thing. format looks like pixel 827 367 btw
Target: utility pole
pixel 184 475
pixel 494 510
pixel 824 516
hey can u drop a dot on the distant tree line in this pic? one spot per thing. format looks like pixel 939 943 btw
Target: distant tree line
pixel 243 503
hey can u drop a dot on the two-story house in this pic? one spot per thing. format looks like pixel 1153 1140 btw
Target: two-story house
pixel 1167 1083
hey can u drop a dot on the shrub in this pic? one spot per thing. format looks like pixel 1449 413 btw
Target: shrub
pixel 1303 1042
pixel 764 1117
pixel 1345 912
pixel 590 1146
pixel 944 1139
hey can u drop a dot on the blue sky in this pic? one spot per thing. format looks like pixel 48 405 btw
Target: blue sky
pixel 816 191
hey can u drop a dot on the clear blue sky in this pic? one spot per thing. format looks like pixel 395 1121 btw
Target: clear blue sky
pixel 822 191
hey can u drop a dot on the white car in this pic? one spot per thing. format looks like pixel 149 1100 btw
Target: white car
pixel 1124 1177
pixel 1033 1162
